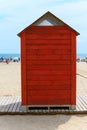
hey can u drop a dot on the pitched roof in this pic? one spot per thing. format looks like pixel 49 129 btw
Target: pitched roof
pixel 49 16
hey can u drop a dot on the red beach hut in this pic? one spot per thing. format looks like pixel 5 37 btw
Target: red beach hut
pixel 48 63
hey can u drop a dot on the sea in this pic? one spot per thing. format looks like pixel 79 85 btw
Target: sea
pixel 9 55
pixel 81 55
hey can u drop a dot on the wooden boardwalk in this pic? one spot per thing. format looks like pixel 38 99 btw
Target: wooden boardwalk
pixel 12 105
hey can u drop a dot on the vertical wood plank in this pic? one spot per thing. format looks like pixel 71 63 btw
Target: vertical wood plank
pixel 15 104
pixel 4 103
pixel 1 102
pixel 12 102
pixel 19 104
pixel 73 56
pixel 7 104
pixel 23 70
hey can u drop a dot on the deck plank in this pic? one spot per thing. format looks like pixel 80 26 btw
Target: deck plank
pixel 1 102
pixel 7 104
pixel 15 104
pixel 18 104
pixel 4 103
pixel 85 100
pixel 79 104
pixel 12 104
pixel 83 103
pixel 77 108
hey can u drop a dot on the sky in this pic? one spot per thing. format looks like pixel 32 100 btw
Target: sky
pixel 15 15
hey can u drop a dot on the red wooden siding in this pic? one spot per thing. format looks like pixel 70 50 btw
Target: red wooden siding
pixel 49 97
pixel 48 55
pixel 23 69
pixel 73 91
pixel 48 66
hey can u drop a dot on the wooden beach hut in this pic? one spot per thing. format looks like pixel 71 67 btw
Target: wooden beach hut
pixel 48 63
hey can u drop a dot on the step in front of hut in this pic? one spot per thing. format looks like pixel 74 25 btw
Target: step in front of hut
pixel 47 109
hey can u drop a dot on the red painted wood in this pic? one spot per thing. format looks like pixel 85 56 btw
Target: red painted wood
pixel 48 68
pixel 48 62
pixel 61 86
pixel 46 72
pixel 49 97
pixel 47 36
pixel 48 29
pixel 50 93
pixel 47 57
pixel 48 52
pixel 47 83
pixel 51 67
pixel 45 100
pixel 23 70
pixel 48 47
pixel 50 42
pixel 49 77
pixel 73 91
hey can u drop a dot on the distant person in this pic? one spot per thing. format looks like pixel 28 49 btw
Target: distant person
pixel 2 58
pixel 86 59
pixel 10 59
pixel 7 61
pixel 19 58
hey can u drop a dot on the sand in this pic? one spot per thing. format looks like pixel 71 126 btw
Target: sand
pixel 45 122
pixel 81 78
pixel 82 69
pixel 10 85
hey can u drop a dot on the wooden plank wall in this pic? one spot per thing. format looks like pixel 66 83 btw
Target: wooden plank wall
pixel 48 65
pixel 23 69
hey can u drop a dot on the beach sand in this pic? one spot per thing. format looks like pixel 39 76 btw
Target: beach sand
pixel 45 122
pixel 81 78
pixel 10 75
pixel 10 85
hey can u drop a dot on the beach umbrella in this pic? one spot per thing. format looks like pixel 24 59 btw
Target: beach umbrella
pixel 16 59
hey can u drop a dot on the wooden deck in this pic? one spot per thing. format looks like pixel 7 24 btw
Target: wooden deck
pixel 12 105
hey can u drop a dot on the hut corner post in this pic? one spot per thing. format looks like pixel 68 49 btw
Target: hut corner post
pixel 23 69
pixel 73 89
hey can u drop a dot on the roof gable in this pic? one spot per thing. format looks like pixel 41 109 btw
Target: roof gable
pixel 48 19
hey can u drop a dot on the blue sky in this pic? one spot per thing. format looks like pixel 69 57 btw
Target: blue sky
pixel 15 15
